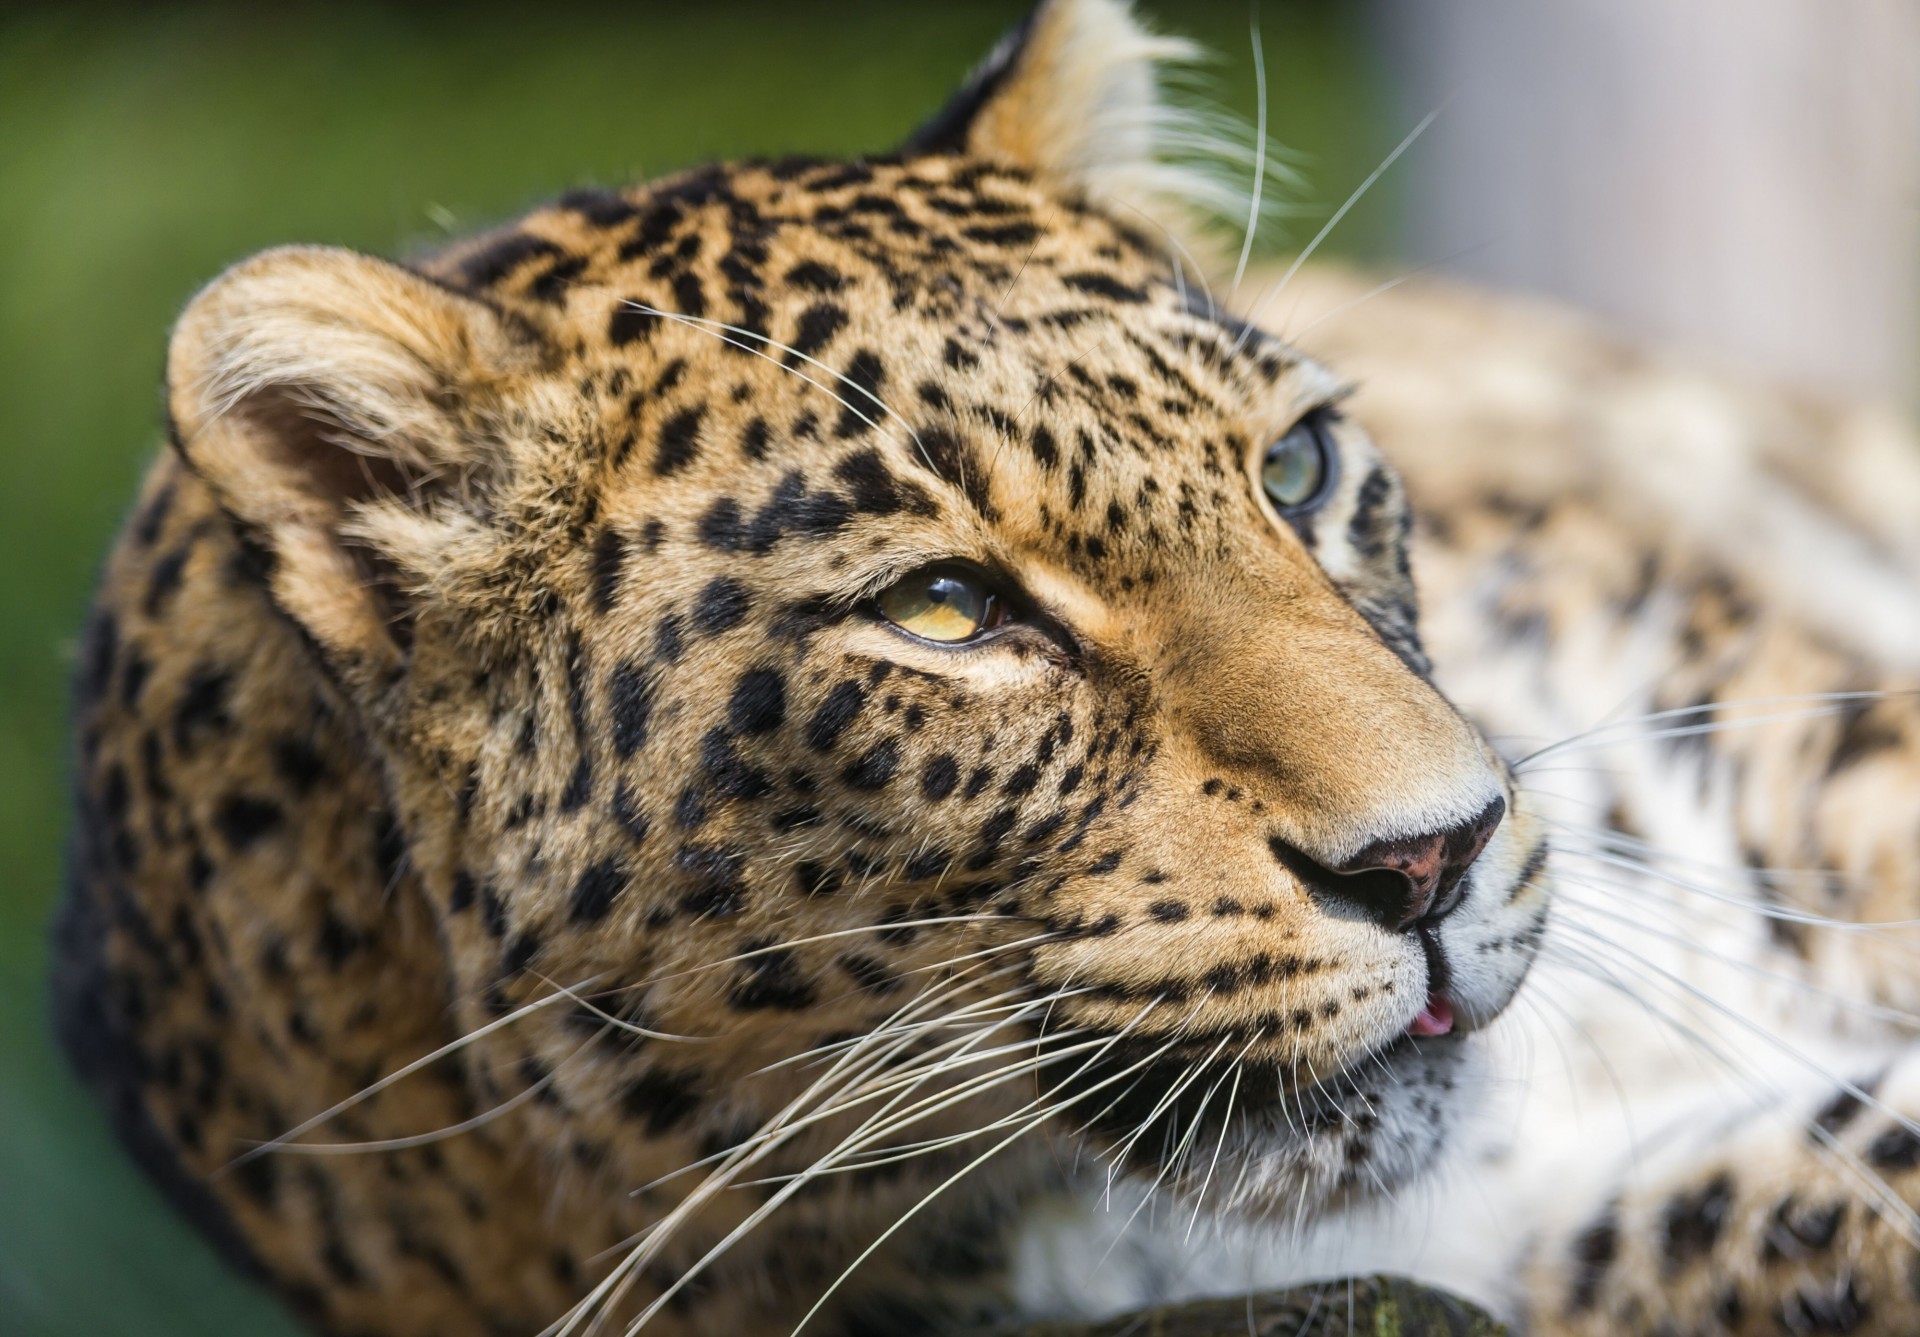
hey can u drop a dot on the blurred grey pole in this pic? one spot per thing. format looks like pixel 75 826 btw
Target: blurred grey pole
pixel 1742 176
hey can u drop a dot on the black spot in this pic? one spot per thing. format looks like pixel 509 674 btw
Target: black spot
pixel 630 690
pixel 874 767
pixel 753 439
pixel 952 460
pixel 679 440
pixel 992 831
pixel 1819 1309
pixel 1898 1148
pixel 500 257
pixel 940 777
pixel 1864 732
pixel 461 897
pixel 1594 1251
pixel 1004 234
pixel 928 864
pixel 772 983
pixel 626 811
pixel 732 777
pixel 816 277
pixel 721 891
pixel 133 678
pixel 1103 285
pixel 519 953
pixel 667 642
pixel 818 325
pixel 759 702
pixel 242 819
pixel 834 714
pixel 599 207
pixel 876 491
pixel 722 606
pixel 628 324
pixel 594 894
pixel 870 973
pixel 296 762
pixel 816 879
pixel 1796 1229
pixel 688 296
pixel 492 912
pixel 862 381
pixel 1168 912
pixel 203 705
pixel 1045 449
pixel 1837 1113
pixel 609 555
pixel 663 1099
pixel 1022 781
pixel 1692 1222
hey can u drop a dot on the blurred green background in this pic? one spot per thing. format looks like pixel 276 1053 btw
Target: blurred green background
pixel 141 150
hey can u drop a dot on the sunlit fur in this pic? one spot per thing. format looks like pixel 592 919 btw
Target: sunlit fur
pixel 521 880
pixel 1683 604
pixel 491 670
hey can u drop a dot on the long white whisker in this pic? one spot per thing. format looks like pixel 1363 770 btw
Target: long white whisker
pixel 1260 154
pixel 1253 317
pixel 399 1074
pixel 711 326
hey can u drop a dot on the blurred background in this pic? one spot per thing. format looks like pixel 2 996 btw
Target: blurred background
pixel 1745 183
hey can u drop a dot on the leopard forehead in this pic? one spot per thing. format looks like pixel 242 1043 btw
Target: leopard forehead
pixel 790 329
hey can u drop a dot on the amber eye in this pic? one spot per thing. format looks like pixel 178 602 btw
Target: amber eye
pixel 1299 466
pixel 943 603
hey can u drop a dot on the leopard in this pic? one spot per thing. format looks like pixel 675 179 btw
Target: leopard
pixel 850 746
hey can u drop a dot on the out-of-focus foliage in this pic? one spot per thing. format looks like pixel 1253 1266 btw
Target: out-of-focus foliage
pixel 142 149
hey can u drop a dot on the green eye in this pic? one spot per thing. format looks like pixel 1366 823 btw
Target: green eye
pixel 1299 466
pixel 942 604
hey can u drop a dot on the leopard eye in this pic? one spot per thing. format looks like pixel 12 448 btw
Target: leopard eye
pixel 1298 468
pixel 947 604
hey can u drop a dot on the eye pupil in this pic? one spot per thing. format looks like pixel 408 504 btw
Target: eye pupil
pixel 936 605
pixel 1295 470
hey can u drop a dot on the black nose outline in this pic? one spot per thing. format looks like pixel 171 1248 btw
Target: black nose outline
pixel 1400 884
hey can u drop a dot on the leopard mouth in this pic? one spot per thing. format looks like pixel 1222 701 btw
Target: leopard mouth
pixel 1150 1106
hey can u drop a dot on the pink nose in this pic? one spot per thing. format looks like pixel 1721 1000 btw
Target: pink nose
pixel 1403 882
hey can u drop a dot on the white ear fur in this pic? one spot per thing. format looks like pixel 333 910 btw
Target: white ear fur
pixel 308 385
pixel 1076 96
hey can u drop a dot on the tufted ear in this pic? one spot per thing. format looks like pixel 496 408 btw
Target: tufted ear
pixel 330 400
pixel 1073 95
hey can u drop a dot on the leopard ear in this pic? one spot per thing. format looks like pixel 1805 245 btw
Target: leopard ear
pixel 331 402
pixel 1073 95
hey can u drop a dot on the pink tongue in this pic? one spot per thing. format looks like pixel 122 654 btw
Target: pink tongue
pixel 1436 1018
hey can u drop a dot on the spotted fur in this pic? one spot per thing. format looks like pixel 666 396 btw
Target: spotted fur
pixel 491 763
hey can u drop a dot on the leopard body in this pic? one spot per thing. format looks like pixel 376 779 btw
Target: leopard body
pixel 520 877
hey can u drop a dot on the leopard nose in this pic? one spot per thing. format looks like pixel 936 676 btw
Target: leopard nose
pixel 1403 882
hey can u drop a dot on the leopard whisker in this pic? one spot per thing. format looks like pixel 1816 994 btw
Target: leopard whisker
pixel 1628 875
pixel 479 1120
pixel 1279 285
pixel 1176 1158
pixel 1226 1123
pixel 1260 153
pixel 1046 1115
pixel 713 326
pixel 397 1075
pixel 1838 701
pixel 1874 1183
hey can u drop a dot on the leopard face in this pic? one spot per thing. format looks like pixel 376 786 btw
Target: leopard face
pixel 790 604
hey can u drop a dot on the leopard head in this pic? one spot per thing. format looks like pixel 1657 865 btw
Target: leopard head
pixel 885 617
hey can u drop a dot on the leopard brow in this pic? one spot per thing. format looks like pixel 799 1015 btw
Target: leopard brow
pixel 715 328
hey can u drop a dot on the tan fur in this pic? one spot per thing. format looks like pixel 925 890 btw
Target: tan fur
pixel 490 672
